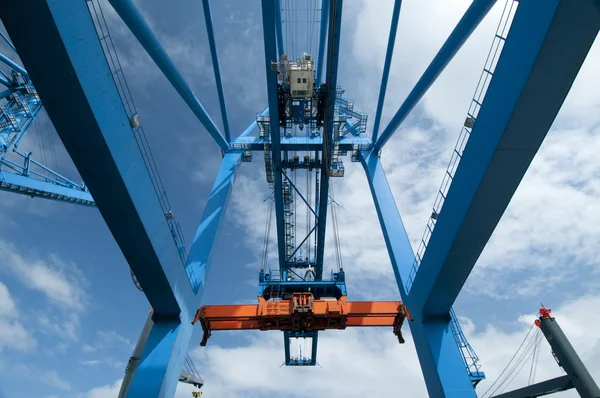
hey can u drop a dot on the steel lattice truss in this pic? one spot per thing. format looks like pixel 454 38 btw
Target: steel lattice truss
pixel 67 52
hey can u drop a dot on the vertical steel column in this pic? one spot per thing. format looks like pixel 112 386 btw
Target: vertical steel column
pixel 140 29
pixel 335 22
pixel 322 36
pixel 215 61
pixel 470 20
pixel 568 358
pixel 386 66
pixel 268 11
pixel 279 29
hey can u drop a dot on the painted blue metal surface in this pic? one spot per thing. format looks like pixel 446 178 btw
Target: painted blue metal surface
pixel 394 233
pixel 198 261
pixel 333 54
pixel 7 41
pixel 269 288
pixel 13 65
pixel 279 29
pixel 107 155
pixel 470 20
pixel 140 29
pixel 215 61
pixel 322 42
pixel 386 66
pixel 300 143
pixel 268 11
pixel 65 59
pixel 158 372
pixel 16 183
pixel 440 358
pixel 518 109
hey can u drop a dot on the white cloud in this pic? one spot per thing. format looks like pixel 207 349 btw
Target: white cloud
pixel 61 282
pixel 370 362
pixel 108 391
pixel 13 335
pixel 7 305
pixel 88 348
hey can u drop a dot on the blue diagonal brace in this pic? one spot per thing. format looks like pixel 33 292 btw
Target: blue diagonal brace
pixel 65 59
pixel 268 11
pixel 467 24
pixel 215 61
pixel 442 364
pixel 200 253
pixel 140 29
pixel 13 65
pixel 386 66
pixel 540 60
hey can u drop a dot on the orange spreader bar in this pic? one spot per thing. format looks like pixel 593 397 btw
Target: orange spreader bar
pixel 302 314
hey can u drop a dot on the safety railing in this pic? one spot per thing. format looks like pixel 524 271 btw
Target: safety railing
pixel 482 86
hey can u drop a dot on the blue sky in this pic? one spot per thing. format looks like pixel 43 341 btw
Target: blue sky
pixel 69 314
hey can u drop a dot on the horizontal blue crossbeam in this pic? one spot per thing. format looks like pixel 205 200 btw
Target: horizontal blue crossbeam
pixel 467 24
pixel 35 188
pixel 140 29
pixel 300 143
pixel 540 60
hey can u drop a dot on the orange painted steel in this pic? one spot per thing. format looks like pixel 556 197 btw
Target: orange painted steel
pixel 302 313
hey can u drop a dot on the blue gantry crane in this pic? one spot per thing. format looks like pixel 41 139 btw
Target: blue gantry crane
pixel 305 130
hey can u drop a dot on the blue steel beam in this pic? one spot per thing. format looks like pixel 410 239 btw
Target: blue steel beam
pixel 299 143
pixel 279 29
pixel 467 24
pixel 441 362
pixel 386 66
pixel 335 22
pixel 65 60
pixel 322 37
pixel 215 61
pixel 16 183
pixel 539 62
pixel 6 83
pixel 199 256
pixel 170 338
pixel 268 11
pixel 13 65
pixel 7 40
pixel 140 29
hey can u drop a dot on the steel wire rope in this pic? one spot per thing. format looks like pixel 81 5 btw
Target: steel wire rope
pixel 509 362
pixel 524 359
pixel 267 235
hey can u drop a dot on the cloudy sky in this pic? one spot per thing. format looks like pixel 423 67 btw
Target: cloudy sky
pixel 70 316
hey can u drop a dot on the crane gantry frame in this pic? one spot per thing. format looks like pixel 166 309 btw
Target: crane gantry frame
pixel 540 59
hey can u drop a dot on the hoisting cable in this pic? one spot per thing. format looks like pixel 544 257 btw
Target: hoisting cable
pixel 267 235
pixel 509 363
pixel 518 360
pixel 537 338
pixel 336 236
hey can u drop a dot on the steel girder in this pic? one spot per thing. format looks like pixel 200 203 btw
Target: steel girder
pixel 541 57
